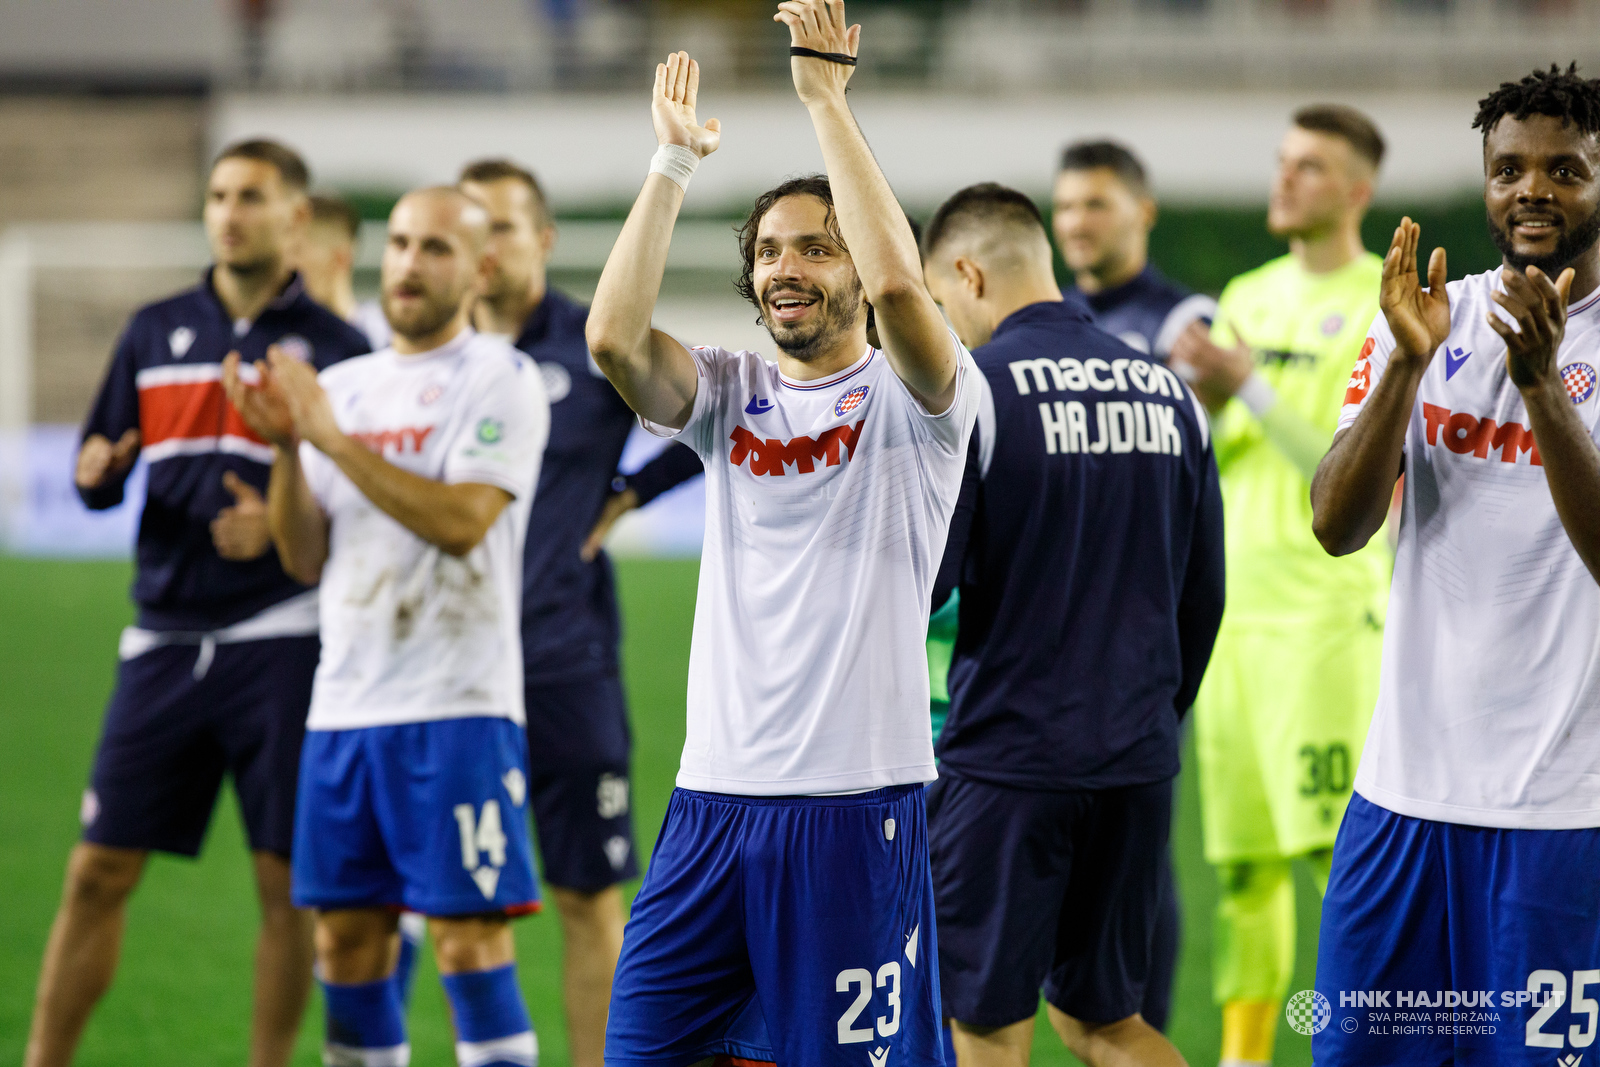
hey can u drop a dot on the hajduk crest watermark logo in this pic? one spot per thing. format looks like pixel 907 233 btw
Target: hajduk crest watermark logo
pixel 1579 378
pixel 294 346
pixel 850 401
pixel 1308 1012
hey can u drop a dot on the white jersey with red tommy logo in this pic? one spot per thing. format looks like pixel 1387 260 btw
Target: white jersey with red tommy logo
pixel 827 506
pixel 1488 709
pixel 411 633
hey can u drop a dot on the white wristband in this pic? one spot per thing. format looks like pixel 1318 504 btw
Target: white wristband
pixel 1257 394
pixel 676 163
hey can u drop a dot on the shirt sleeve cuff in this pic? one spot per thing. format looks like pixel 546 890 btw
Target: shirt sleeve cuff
pixel 1257 394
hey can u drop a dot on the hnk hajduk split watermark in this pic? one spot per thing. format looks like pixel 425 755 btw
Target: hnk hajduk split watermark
pixel 1536 1009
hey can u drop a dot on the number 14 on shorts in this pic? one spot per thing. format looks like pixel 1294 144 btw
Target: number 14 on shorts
pixel 481 832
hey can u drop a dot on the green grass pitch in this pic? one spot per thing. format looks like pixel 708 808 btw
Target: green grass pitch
pixel 182 996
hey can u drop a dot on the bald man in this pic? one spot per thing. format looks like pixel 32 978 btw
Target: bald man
pixel 1087 542
pixel 402 484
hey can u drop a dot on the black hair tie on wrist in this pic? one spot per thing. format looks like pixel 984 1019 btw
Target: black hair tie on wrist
pixel 832 57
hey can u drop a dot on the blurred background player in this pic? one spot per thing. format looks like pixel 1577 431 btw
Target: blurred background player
pixel 1076 654
pixel 402 482
pixel 579 786
pixel 792 867
pixel 215 674
pixel 327 258
pixel 1102 213
pixel 1283 712
pixel 1470 857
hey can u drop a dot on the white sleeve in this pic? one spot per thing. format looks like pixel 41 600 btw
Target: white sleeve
pixel 502 430
pixel 1369 368
pixel 951 429
pixel 1195 308
pixel 984 431
pixel 712 367
pixel 319 471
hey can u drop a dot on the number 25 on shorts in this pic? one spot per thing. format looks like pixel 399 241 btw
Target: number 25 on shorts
pixel 862 979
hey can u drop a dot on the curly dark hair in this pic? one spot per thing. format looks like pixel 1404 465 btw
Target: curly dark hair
pixel 807 185
pixel 1556 92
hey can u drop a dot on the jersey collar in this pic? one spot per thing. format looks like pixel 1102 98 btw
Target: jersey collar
pixel 452 347
pixel 1045 311
pixel 829 382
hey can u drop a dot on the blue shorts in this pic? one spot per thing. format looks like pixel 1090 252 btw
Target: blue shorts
pixel 578 783
pixel 424 816
pixel 795 930
pixel 1057 892
pixel 169 737
pixel 1449 944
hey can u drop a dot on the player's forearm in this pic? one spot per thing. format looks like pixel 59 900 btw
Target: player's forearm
pixel 874 226
pixel 298 527
pixel 455 517
pixel 618 329
pixel 1354 483
pixel 885 256
pixel 1571 467
pixel 1298 440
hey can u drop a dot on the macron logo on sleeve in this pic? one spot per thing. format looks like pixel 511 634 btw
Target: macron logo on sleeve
pixel 770 456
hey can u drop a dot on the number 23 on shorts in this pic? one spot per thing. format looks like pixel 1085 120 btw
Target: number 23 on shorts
pixel 861 979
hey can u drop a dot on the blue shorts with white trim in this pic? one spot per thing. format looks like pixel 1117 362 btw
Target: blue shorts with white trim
pixel 426 816
pixel 1450 944
pixel 798 930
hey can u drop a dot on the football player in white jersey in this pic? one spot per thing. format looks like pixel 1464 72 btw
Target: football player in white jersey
pixel 787 911
pixel 1466 875
pixel 403 484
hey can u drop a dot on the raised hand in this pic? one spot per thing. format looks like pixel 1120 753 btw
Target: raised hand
pixel 1419 318
pixel 99 461
pixel 672 107
pixel 820 26
pixel 307 403
pixel 1215 372
pixel 240 530
pixel 260 403
pixel 1539 309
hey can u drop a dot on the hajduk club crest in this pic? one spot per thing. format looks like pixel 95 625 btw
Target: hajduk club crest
pixel 850 401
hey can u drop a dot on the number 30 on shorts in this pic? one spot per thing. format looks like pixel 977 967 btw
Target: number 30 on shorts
pixel 861 979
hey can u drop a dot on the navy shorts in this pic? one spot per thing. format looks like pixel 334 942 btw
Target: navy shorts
pixel 424 816
pixel 169 737
pixel 795 930
pixel 1450 944
pixel 1052 891
pixel 578 785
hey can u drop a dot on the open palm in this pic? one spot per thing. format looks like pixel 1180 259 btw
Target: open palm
pixel 1419 318
pixel 672 107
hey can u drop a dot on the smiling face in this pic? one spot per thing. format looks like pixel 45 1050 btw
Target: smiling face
pixel 1320 181
pixel 809 294
pixel 251 214
pixel 433 262
pixel 1542 191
